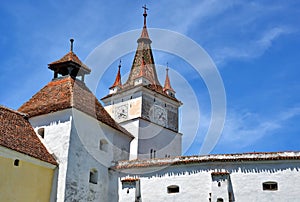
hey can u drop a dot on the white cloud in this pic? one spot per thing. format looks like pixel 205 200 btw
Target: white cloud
pixel 251 49
pixel 244 128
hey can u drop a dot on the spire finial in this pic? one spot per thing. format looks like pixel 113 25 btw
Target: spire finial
pixel 167 87
pixel 120 64
pixel 71 48
pixel 145 14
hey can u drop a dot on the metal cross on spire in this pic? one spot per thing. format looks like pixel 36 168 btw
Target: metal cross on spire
pixel 145 14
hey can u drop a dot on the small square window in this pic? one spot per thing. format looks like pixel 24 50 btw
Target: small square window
pixel 16 162
pixel 272 186
pixel 173 189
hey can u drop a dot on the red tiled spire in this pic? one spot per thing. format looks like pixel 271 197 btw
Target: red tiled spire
pixel 118 78
pixel 143 63
pixel 167 85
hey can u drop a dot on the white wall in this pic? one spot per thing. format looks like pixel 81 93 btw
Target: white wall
pixel 74 138
pixel 195 181
pixel 57 129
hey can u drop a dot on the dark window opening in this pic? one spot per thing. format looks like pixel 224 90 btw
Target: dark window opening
pixel 219 184
pixel 151 151
pixel 41 132
pixel 173 189
pixel 16 162
pixel 220 200
pixel 93 176
pixel 273 186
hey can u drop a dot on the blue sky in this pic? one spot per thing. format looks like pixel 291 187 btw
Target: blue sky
pixel 254 44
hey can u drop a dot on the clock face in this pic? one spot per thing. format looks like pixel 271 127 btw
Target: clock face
pixel 121 113
pixel 160 116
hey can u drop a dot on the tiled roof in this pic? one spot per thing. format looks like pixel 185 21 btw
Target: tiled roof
pixel 118 79
pixel 129 179
pixel 70 57
pixel 67 92
pixel 167 85
pixel 17 134
pixel 143 63
pixel 182 160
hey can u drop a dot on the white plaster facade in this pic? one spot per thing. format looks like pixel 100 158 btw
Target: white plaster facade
pixel 239 180
pixel 74 138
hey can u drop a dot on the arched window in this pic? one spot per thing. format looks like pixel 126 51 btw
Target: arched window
pixel 103 145
pixel 173 189
pixel 93 176
pixel 272 186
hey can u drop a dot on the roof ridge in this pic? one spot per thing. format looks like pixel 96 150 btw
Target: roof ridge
pixel 14 111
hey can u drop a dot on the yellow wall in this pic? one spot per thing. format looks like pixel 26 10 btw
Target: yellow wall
pixel 26 182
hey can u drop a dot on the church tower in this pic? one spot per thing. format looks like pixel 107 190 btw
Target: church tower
pixel 145 108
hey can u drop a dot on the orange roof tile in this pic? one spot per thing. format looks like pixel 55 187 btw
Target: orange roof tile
pixel 17 134
pixel 67 92
pixel 167 85
pixel 118 79
pixel 70 57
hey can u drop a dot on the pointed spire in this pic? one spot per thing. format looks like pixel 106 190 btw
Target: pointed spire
pixel 144 35
pixel 117 82
pixel 167 87
pixel 143 64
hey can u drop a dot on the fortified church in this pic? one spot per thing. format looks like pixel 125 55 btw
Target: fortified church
pixel 64 145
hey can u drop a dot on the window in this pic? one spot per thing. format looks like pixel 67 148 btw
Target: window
pixel 41 132
pixel 272 186
pixel 219 184
pixel 16 162
pixel 93 176
pixel 103 145
pixel 173 189
pixel 220 200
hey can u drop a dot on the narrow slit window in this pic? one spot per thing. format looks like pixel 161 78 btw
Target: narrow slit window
pixel 173 189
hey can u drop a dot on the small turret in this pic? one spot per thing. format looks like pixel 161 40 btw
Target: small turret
pixel 117 84
pixel 167 87
pixel 69 64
